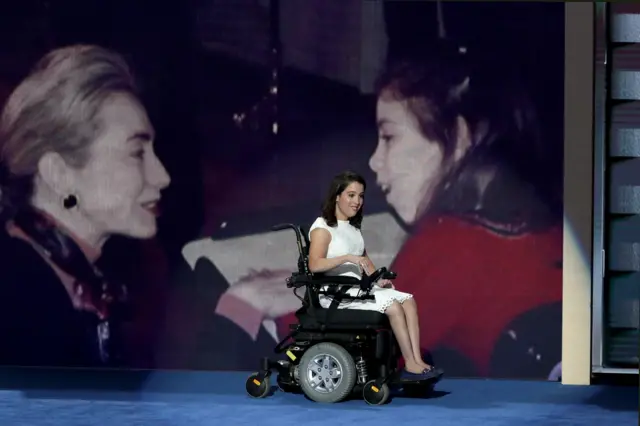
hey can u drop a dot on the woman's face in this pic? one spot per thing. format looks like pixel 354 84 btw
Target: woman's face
pixel 118 190
pixel 408 165
pixel 349 201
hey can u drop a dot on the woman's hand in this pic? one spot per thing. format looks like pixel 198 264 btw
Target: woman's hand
pixel 267 292
pixel 385 284
pixel 363 262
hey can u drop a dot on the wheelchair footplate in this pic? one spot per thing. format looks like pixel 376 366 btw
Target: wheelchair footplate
pixel 419 380
pixel 417 388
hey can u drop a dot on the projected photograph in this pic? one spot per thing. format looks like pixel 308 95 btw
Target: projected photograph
pixel 142 170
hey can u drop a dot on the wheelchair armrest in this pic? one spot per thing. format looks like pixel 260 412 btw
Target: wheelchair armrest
pixel 297 280
pixel 337 279
pixel 363 284
pixel 300 280
pixel 344 297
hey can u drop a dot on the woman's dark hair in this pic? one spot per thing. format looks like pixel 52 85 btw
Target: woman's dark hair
pixel 339 183
pixel 506 141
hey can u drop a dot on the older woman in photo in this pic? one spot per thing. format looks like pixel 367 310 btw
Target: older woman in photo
pixel 78 166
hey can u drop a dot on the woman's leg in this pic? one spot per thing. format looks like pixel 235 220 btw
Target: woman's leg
pixel 396 315
pixel 413 327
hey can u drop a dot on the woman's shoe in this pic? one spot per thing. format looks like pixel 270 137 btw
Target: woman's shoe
pixel 407 375
pixel 432 372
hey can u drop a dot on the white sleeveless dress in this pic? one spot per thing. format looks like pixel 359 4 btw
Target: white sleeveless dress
pixel 347 239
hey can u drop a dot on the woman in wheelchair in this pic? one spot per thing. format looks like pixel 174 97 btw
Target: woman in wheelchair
pixel 337 248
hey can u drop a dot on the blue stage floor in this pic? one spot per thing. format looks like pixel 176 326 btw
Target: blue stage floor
pixel 193 399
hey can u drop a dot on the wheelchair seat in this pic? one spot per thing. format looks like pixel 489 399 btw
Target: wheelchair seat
pixel 312 316
pixel 341 319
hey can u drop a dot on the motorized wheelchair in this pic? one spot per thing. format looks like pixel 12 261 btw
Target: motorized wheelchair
pixel 335 353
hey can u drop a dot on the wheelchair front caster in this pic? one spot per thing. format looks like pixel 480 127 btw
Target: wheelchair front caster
pixel 258 386
pixel 375 395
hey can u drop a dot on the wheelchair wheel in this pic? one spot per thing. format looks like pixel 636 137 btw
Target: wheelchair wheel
pixel 327 373
pixel 375 395
pixel 258 387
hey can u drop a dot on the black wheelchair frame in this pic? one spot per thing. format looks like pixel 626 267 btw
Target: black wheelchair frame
pixel 357 346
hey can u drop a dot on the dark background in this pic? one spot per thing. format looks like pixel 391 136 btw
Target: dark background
pixel 191 93
pixel 248 178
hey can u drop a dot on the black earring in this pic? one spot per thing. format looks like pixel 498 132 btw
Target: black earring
pixel 70 202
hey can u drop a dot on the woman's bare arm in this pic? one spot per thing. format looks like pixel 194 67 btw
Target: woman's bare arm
pixel 369 267
pixel 318 262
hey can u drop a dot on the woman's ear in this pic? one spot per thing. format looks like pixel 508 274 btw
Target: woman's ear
pixel 54 172
pixel 463 138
